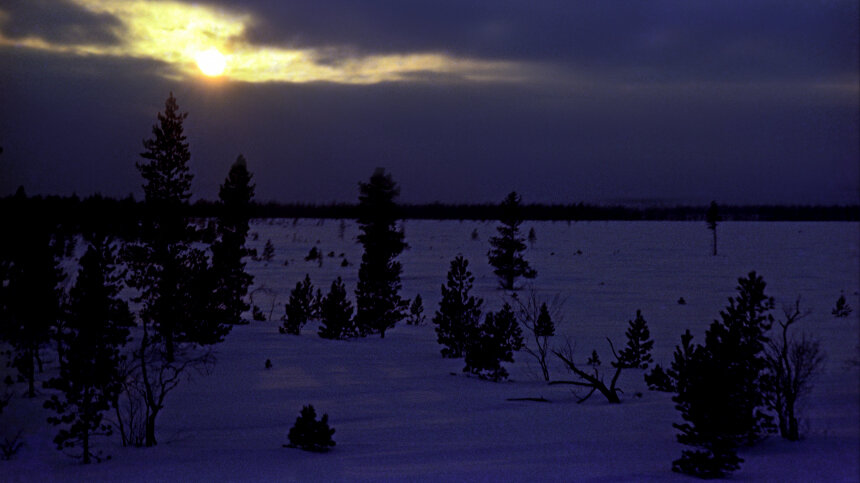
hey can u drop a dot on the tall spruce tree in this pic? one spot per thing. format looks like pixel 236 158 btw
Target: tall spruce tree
pixel 506 256
pixel 459 313
pixel 96 328
pixel 229 249
pixel 378 303
pixel 175 283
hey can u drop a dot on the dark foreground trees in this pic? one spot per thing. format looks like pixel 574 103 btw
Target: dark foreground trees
pixel 378 303
pixel 30 288
pixel 89 344
pixel 720 386
pixel 506 254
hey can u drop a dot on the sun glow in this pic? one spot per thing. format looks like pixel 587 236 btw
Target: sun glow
pixel 211 62
pixel 189 38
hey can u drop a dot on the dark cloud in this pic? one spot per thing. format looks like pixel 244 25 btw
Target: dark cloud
pixel 57 21
pixel 654 40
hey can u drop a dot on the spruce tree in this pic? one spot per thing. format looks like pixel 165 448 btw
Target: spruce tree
pixel 96 329
pixel 229 249
pixel 459 313
pixel 492 343
pixel 300 307
pixel 720 387
pixel 378 303
pixel 637 354
pixel 309 434
pixel 506 256
pixel 336 313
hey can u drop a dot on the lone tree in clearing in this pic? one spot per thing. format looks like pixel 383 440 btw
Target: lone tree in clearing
pixel 712 216
pixel 506 256
pixel 378 303
pixel 309 434
pixel 229 248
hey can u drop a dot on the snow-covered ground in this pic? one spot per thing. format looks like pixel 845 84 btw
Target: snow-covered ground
pixel 403 413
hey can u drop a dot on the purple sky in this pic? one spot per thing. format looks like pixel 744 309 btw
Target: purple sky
pixel 678 101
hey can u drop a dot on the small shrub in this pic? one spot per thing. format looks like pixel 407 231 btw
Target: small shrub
pixel 309 434
pixel 416 312
pixel 257 314
pixel 11 445
pixel 268 251
pixel 842 308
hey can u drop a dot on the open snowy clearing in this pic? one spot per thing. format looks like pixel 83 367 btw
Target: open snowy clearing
pixel 401 412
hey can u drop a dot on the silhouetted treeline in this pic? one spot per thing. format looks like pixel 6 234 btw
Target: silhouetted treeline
pixel 119 216
pixel 557 212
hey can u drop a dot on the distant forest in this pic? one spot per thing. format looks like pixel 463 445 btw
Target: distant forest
pixel 122 214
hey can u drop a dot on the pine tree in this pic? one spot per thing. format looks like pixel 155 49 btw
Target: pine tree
pixel 336 313
pixel 309 434
pixel 637 354
pixel 712 216
pixel 96 328
pixel 176 285
pixel 378 303
pixel 494 342
pixel 229 247
pixel 506 256
pixel 720 387
pixel 459 313
pixel 300 307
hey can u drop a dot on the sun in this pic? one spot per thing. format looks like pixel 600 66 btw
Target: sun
pixel 211 62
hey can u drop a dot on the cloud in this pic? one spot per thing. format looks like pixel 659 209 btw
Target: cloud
pixel 175 33
pixel 57 22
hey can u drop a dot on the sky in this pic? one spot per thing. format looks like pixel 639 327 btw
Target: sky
pixel 595 101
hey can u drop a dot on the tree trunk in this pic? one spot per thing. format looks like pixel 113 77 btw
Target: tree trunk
pixel 150 429
pixel 715 240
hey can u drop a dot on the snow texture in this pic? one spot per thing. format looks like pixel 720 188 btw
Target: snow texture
pixel 402 412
